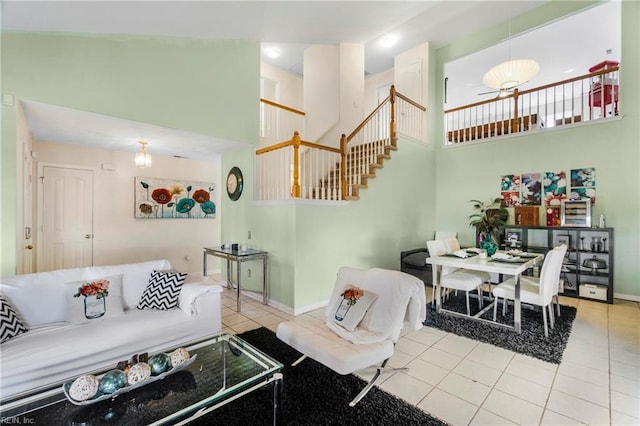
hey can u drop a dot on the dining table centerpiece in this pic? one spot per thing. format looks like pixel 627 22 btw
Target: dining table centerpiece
pixel 489 220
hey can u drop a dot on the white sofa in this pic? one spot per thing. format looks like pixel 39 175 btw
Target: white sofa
pixel 54 350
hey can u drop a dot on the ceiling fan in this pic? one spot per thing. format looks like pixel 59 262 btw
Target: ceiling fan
pixel 502 93
pixel 508 75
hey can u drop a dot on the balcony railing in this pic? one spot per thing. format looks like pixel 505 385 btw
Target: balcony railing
pixel 593 96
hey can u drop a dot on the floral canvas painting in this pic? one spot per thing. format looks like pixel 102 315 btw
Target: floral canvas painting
pixel 511 198
pixel 583 183
pixel 510 190
pixel 510 183
pixel 170 199
pixel 554 186
pixel 531 189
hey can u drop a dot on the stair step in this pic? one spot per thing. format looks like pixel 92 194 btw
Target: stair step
pixel 354 163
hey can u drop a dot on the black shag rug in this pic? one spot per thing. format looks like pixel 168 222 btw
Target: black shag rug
pixel 313 395
pixel 531 341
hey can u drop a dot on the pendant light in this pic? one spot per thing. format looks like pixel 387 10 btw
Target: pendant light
pixel 511 73
pixel 142 158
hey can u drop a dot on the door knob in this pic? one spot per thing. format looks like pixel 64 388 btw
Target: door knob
pixel 87 236
pixel 29 247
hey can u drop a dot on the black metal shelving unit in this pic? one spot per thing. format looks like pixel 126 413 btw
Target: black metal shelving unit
pixel 583 243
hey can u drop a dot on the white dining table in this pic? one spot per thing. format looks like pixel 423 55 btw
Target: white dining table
pixel 487 265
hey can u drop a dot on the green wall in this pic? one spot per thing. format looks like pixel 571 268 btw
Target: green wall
pixel 473 171
pixel 395 213
pixel 204 86
pixel 308 242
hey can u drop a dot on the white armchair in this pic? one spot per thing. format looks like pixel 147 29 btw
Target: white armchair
pixel 398 299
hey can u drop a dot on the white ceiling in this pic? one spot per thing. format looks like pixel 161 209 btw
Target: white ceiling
pixel 289 26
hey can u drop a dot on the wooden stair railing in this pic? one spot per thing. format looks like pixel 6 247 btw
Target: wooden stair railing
pixel 302 169
pixel 278 121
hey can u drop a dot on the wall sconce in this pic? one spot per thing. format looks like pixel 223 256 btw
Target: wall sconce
pixel 142 158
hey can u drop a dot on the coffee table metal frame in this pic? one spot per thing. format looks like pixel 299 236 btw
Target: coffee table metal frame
pixel 17 409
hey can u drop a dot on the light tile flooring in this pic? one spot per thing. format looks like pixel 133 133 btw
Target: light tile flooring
pixel 465 382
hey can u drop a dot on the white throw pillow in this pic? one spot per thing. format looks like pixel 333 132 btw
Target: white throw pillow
pixel 163 291
pixel 91 300
pixel 10 324
pixel 351 307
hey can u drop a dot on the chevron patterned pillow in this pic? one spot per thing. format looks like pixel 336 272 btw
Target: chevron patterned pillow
pixel 163 290
pixel 10 324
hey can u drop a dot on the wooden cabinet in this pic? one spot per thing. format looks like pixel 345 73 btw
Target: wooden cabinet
pixel 592 279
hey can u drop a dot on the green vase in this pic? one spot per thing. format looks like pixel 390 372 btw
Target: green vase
pixel 489 245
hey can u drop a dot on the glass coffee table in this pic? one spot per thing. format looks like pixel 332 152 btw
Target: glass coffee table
pixel 225 368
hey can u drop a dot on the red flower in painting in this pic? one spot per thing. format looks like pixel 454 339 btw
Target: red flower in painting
pixel 201 196
pixel 161 195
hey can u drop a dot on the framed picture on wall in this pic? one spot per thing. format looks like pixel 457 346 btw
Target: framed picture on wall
pixel 173 199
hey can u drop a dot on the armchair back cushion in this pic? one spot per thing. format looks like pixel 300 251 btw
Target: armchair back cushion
pixel 400 296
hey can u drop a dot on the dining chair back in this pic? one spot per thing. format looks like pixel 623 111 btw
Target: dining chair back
pixel 451 244
pixel 443 235
pixel 456 278
pixel 550 273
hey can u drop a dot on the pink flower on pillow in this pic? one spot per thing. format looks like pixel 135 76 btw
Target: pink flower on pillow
pixel 100 288
pixel 352 294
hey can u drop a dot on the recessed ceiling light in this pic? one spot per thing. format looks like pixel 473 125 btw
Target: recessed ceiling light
pixel 273 53
pixel 388 41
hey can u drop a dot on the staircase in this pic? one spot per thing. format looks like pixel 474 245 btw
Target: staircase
pixel 299 169
pixel 362 162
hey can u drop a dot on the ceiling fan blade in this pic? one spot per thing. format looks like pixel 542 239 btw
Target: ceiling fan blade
pixel 487 93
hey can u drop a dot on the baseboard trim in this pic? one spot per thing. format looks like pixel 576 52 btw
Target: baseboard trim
pixel 628 297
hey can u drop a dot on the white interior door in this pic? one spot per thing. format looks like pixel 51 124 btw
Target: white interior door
pixel 65 214
pixel 25 232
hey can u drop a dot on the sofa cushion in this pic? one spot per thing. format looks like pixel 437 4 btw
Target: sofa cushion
pixel 163 291
pixel 349 309
pixel 10 324
pixel 39 298
pixel 135 277
pixel 94 300
pixel 60 352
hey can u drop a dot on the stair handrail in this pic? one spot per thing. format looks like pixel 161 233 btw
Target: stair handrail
pixel 278 121
pixel 281 106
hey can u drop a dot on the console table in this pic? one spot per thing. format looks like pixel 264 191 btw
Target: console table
pixel 239 256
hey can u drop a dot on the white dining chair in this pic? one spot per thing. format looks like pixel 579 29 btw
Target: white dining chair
pixel 443 235
pixel 540 293
pixel 452 245
pixel 455 278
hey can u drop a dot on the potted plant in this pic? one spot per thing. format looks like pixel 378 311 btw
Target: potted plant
pixel 489 219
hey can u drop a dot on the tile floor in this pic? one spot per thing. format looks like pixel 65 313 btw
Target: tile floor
pixel 465 382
